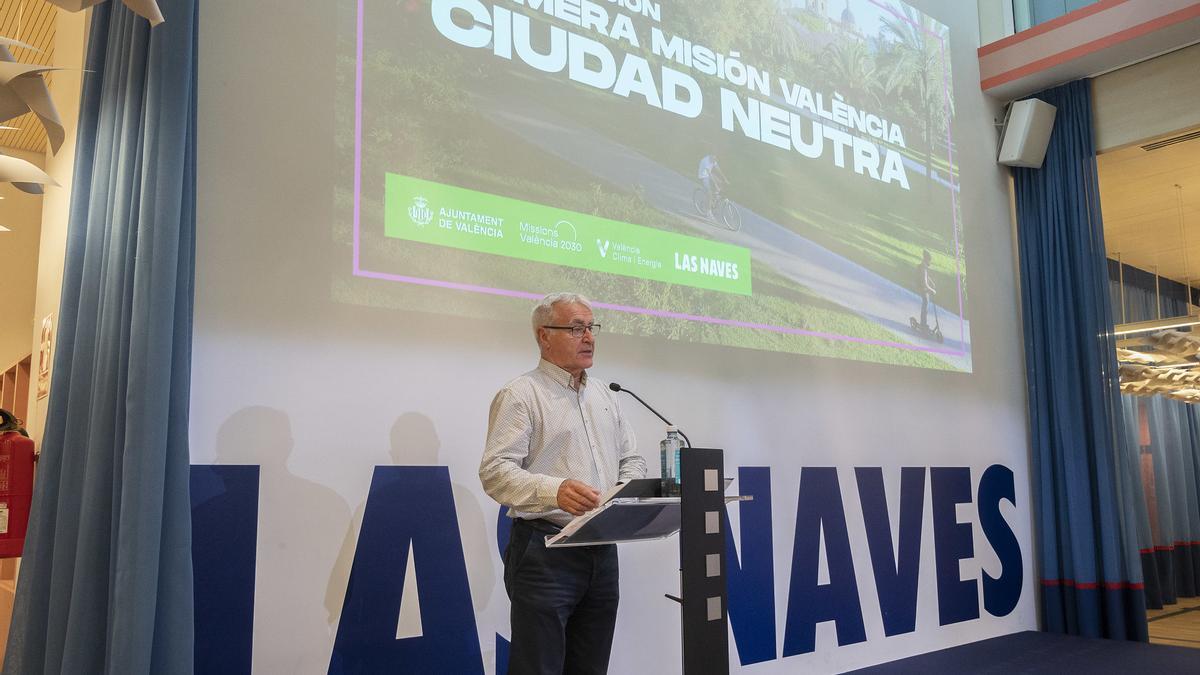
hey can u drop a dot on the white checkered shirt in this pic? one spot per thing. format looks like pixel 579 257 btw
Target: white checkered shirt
pixel 541 432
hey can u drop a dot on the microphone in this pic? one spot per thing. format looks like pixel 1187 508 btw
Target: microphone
pixel 616 387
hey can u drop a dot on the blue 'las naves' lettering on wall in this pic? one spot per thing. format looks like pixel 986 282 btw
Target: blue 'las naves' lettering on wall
pixel 751 580
pixel 411 508
pixel 408 507
pixel 224 539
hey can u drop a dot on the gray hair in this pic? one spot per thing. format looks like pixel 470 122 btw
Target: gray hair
pixel 545 307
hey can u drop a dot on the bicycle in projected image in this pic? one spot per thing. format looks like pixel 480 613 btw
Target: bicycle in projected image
pixel 717 208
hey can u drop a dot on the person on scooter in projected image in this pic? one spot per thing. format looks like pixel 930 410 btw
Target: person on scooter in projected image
pixel 925 288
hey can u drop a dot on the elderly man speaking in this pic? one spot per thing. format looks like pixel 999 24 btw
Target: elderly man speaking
pixel 556 439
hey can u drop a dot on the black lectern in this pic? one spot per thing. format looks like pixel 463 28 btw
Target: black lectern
pixel 638 512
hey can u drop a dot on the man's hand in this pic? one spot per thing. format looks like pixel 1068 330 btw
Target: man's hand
pixel 576 497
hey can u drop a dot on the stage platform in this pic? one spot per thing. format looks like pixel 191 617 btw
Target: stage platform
pixel 1050 653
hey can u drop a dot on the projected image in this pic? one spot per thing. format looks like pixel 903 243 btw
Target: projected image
pixel 766 174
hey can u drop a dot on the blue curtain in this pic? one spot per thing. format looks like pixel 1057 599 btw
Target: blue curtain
pixel 1132 466
pixel 1166 457
pixel 1145 298
pixel 106 580
pixel 1170 462
pixel 1087 544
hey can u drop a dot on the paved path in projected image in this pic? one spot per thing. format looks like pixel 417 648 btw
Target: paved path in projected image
pixel 826 273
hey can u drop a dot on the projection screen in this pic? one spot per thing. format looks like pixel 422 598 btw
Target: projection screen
pixel 767 175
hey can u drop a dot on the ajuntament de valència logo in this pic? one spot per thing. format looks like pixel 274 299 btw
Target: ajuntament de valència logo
pixel 419 212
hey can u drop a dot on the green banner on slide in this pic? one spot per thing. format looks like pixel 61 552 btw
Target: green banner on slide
pixel 433 213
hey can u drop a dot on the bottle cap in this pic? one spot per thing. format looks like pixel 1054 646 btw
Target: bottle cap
pixel 672 429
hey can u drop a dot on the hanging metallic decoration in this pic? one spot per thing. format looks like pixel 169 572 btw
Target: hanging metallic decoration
pixel 146 8
pixel 24 175
pixel 23 90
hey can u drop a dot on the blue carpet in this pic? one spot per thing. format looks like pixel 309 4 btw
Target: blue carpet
pixel 1037 652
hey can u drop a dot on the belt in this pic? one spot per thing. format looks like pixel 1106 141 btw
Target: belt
pixel 540 524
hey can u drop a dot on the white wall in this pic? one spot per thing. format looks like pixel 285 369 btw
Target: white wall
pixel 21 212
pixel 328 382
pixel 995 20
pixel 69 53
pixel 1119 99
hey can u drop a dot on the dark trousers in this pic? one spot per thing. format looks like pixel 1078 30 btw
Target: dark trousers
pixel 564 603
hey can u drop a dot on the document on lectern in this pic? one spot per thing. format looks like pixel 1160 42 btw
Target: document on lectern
pixel 630 511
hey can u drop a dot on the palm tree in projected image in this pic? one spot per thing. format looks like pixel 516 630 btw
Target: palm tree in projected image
pixel 783 46
pixel 891 76
pixel 762 32
pixel 849 69
pixel 917 55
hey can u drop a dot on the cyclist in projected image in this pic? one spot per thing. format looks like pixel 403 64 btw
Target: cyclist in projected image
pixel 713 178
pixel 556 439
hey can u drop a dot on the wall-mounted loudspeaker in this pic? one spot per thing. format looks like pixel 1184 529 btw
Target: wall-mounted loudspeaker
pixel 1026 132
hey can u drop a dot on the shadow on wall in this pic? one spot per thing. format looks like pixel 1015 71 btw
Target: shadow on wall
pixel 299 521
pixel 414 442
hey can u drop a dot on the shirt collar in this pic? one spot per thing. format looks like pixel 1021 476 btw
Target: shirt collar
pixel 559 375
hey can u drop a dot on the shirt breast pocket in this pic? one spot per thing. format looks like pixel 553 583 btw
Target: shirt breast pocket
pixel 607 420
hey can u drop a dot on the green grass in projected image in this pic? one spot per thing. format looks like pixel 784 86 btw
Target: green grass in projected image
pixel 833 251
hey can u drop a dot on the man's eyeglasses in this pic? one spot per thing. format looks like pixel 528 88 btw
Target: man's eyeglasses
pixel 577 330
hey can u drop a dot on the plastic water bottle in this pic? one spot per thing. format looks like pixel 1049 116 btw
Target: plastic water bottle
pixel 670 451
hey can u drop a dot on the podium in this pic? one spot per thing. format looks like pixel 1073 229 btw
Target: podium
pixel 639 512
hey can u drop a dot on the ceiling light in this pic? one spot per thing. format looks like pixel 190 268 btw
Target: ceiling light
pixel 1155 325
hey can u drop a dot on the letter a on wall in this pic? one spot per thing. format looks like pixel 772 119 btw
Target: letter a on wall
pixel 408 507
pixel 819 510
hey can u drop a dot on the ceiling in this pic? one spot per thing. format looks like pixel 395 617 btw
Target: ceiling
pixel 31 22
pixel 1142 207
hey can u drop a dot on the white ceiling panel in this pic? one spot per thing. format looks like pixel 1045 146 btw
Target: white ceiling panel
pixel 1141 207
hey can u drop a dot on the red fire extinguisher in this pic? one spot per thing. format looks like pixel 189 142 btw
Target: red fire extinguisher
pixel 16 485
